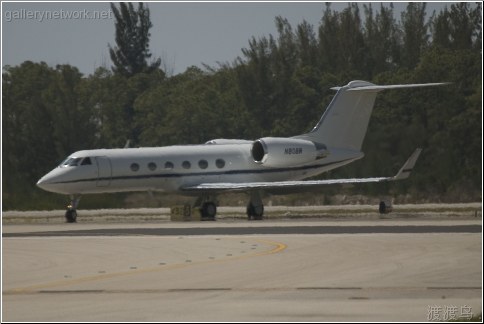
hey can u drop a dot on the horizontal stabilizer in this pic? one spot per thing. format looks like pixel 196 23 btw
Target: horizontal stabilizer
pixel 373 87
pixel 289 186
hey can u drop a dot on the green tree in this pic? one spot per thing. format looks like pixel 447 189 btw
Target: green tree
pixel 255 80
pixel 341 42
pixel 192 107
pixel 27 130
pixel 351 39
pixel 415 33
pixel 113 98
pixel 441 29
pixel 131 52
pixel 328 44
pixel 73 126
pixel 454 119
pixel 382 41
pixel 459 28
pixel 44 120
pixel 307 44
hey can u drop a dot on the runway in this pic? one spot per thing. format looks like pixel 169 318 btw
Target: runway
pixel 256 230
pixel 392 270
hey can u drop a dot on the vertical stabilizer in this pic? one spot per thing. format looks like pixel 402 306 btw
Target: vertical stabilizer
pixel 345 121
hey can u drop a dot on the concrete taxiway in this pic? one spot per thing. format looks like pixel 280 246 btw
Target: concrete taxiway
pixel 379 270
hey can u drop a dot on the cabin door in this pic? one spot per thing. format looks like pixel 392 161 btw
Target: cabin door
pixel 104 171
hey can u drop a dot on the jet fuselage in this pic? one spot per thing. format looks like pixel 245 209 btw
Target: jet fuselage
pixel 170 168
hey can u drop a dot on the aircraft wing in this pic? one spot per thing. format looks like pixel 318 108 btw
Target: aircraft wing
pixel 293 186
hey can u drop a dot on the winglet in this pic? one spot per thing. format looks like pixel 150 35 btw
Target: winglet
pixel 404 172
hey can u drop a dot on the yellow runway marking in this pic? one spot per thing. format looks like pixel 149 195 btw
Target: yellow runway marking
pixel 278 247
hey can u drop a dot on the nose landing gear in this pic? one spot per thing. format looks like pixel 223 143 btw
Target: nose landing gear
pixel 71 213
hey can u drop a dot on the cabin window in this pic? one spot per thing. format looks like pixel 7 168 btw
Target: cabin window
pixel 86 161
pixel 203 164
pixel 134 167
pixel 152 166
pixel 186 165
pixel 220 163
pixel 169 165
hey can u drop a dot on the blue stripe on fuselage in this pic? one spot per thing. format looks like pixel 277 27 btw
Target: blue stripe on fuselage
pixel 230 172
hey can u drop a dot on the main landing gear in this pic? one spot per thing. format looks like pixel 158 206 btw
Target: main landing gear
pixel 208 209
pixel 71 213
pixel 255 208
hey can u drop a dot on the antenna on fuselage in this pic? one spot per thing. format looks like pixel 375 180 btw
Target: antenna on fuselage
pixel 127 144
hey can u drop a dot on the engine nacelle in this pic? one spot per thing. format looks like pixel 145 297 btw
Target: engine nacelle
pixel 283 152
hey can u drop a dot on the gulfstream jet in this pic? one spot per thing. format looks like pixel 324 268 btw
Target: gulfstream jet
pixel 257 167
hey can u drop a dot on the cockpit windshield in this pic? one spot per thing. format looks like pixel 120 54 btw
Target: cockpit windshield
pixel 75 161
pixel 71 162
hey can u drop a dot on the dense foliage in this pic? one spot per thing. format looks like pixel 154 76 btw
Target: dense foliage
pixel 132 39
pixel 279 86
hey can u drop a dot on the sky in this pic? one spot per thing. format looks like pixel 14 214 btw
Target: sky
pixel 183 34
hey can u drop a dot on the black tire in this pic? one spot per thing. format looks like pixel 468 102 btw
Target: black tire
pixel 255 212
pixel 71 216
pixel 250 211
pixel 209 211
pixel 382 208
pixel 259 212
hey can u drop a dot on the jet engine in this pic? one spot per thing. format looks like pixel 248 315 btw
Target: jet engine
pixel 284 152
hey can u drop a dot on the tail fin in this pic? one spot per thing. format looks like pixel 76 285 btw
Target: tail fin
pixel 345 121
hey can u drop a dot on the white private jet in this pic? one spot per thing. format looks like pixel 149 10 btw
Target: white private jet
pixel 266 165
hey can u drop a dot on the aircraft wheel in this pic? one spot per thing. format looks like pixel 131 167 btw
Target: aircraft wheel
pixel 71 216
pixel 250 211
pixel 255 212
pixel 382 207
pixel 258 212
pixel 209 210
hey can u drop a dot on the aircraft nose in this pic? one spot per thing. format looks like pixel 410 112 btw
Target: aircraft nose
pixel 56 181
pixel 50 182
pixel 45 183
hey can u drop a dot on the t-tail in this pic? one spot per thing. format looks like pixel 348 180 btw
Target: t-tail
pixel 345 121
